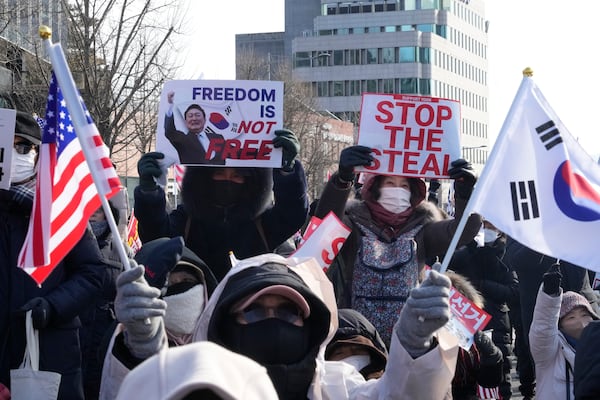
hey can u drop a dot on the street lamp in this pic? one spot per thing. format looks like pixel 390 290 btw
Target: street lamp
pixel 467 151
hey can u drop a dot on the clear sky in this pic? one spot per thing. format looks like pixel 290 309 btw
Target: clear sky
pixel 557 39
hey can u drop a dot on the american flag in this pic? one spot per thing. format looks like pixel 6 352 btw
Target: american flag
pixel 488 393
pixel 65 194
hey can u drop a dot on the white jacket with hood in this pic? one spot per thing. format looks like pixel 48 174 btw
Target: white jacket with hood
pixel 178 371
pixel 427 377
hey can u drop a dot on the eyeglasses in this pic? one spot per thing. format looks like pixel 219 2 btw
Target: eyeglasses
pixel 23 147
pixel 285 312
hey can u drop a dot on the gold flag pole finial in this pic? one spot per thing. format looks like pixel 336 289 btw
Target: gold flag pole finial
pixel 528 72
pixel 45 32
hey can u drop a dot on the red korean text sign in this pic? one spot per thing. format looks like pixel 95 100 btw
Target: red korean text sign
pixel 410 135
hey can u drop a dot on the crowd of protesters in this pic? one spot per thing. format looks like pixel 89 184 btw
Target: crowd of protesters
pixel 186 319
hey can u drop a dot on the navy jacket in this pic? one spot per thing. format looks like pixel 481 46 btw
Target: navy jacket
pixel 70 288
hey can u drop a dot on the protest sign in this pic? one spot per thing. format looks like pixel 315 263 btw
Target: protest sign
pixel 220 123
pixel 323 239
pixel 7 127
pixel 465 319
pixel 410 135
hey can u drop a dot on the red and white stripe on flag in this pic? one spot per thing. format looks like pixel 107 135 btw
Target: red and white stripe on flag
pixel 488 393
pixel 179 172
pixel 65 194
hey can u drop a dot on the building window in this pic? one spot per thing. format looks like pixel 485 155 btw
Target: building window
pixel 440 30
pixel 343 31
pixel 424 55
pixel 374 29
pixel 425 87
pixel 322 89
pixel 302 59
pixel 407 28
pixel 371 86
pixel 388 55
pixel 389 28
pixel 407 54
pixel 366 8
pixel 338 88
pixel 371 56
pixel 354 88
pixel 410 5
pixel 353 57
pixel 388 86
pixel 408 85
pixel 359 30
pixel 426 27
pixel 430 4
pixel 338 57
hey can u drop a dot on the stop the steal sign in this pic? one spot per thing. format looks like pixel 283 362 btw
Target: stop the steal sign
pixel 410 135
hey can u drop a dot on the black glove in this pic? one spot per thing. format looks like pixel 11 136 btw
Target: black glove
pixel 350 157
pixel 434 186
pixel 552 279
pixel 41 311
pixel 149 168
pixel 290 147
pixel 464 177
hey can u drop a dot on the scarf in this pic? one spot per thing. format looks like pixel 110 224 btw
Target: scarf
pixel 20 197
pixel 386 220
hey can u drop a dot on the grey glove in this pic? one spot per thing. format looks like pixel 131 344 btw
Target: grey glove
pixel 140 310
pixel 426 310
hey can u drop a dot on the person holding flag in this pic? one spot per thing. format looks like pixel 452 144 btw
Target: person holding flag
pixel 394 230
pixel 66 291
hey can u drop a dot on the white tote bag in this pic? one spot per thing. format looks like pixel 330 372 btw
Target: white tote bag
pixel 28 382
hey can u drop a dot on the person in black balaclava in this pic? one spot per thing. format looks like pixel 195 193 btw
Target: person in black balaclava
pixel 248 211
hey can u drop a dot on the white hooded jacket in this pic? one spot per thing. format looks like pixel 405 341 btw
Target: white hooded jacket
pixel 427 377
pixel 178 371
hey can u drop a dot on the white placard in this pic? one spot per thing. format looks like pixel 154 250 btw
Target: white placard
pixel 8 119
pixel 240 118
pixel 414 136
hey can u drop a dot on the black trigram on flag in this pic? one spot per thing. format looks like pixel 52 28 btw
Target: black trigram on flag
pixel 549 134
pixel 524 200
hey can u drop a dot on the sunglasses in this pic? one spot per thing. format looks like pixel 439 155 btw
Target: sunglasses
pixel 23 147
pixel 287 312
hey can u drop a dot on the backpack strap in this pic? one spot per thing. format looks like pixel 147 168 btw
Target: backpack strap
pixel 568 372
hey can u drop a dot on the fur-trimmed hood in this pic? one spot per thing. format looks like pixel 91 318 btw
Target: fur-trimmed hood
pixel 256 197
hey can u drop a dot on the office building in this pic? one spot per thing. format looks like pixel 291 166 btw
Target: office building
pixel 428 47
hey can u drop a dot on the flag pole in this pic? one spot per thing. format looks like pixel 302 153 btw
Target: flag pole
pixel 527 73
pixel 69 90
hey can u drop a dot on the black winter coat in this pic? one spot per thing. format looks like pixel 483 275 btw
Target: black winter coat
pixel 499 286
pixel 70 288
pixel 212 232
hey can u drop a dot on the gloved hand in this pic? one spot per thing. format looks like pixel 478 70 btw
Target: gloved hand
pixel 290 147
pixel 552 279
pixel 464 177
pixel 434 186
pixel 350 157
pixel 489 353
pixel 149 168
pixel 41 312
pixel 138 307
pixel 427 309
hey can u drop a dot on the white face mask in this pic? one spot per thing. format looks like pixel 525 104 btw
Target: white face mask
pixel 394 199
pixel 358 361
pixel 22 166
pixel 490 235
pixel 183 310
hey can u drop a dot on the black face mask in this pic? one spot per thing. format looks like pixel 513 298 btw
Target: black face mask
pixel 270 342
pixel 225 193
pixel 180 288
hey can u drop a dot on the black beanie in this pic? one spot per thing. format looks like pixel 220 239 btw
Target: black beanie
pixel 27 127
